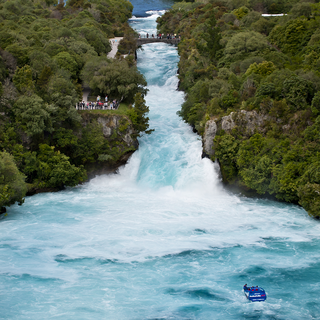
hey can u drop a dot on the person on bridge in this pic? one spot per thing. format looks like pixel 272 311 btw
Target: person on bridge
pixel 147 35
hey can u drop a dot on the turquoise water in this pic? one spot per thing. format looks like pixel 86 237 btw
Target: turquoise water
pixel 160 240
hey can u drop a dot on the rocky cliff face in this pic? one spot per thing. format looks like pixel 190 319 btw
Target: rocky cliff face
pixel 119 132
pixel 249 122
pixel 208 136
pixel 119 125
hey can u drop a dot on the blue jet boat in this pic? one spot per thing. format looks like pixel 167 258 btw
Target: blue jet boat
pixel 254 293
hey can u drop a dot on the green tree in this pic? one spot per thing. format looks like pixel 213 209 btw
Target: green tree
pixel 298 91
pixel 138 115
pixel 241 12
pixel 309 195
pixel 210 36
pixel 118 80
pixel 19 52
pixel 246 42
pixel 315 105
pixel 52 168
pixel 33 114
pixel 22 79
pixel 292 36
pixel 67 62
pixel 226 149
pixel 12 182
pixel 264 68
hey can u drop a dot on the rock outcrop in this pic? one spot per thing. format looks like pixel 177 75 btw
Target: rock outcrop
pixel 119 132
pixel 209 134
pixel 248 121
pixel 119 125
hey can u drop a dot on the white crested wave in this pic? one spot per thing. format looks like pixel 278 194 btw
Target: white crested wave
pixel 153 15
pixel 156 12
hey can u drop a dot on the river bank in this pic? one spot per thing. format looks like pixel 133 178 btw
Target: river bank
pixel 242 96
pixel 49 53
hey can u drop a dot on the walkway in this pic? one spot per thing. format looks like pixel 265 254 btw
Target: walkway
pixel 114 46
pixel 86 92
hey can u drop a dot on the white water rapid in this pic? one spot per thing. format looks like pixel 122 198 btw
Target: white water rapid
pixel 160 240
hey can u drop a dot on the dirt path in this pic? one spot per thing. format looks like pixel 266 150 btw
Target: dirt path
pixel 114 45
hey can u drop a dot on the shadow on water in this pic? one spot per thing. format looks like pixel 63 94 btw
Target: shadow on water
pixel 197 293
pixel 61 258
pixel 314 309
pixel 199 231
pixel 26 277
pixel 258 315
pixel 188 312
pixel 189 253
pixel 254 270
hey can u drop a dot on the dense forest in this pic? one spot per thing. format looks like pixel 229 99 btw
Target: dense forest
pixel 234 59
pixel 50 50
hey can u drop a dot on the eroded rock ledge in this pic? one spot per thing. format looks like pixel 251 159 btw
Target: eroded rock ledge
pixel 119 132
pixel 249 122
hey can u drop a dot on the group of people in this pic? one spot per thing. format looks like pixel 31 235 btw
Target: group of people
pixel 162 36
pixel 246 288
pixel 98 105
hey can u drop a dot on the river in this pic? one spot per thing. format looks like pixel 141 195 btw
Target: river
pixel 160 240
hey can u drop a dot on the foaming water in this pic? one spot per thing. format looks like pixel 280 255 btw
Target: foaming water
pixel 143 8
pixel 160 240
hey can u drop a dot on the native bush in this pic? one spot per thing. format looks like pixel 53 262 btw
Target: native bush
pixel 226 149
pixel 264 68
pixel 246 42
pixel 138 115
pixel 309 198
pixel 315 105
pixel 119 80
pixel 53 168
pixel 12 182
pixel 33 114
pixel 22 79
pixel 298 92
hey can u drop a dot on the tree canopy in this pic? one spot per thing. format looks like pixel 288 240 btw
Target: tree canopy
pixel 12 182
pixel 49 51
pixel 270 65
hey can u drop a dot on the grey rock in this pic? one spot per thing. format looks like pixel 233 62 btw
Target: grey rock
pixel 247 121
pixel 209 134
pixel 227 123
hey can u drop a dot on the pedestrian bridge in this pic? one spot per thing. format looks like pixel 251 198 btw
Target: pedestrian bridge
pixel 142 41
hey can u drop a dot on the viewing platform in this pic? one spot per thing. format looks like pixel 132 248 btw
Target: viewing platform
pixel 142 41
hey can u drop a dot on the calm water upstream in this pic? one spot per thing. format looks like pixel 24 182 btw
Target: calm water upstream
pixel 160 240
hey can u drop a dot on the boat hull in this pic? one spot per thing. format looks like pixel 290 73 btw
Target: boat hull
pixel 255 294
